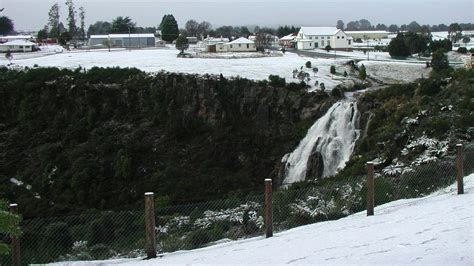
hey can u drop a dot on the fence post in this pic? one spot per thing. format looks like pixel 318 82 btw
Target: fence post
pixel 370 188
pixel 150 241
pixel 459 169
pixel 16 254
pixel 268 208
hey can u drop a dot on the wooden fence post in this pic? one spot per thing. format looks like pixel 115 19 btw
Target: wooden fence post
pixel 150 241
pixel 16 254
pixel 268 208
pixel 370 188
pixel 459 169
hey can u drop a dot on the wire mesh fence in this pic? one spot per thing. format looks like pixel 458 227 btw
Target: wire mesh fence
pixel 107 235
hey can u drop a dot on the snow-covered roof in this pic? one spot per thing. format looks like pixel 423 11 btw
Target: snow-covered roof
pixel 99 36
pixel 16 37
pixel 18 42
pixel 319 30
pixel 241 40
pixel 289 37
pixel 212 39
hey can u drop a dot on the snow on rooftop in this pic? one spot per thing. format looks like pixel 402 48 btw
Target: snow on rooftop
pixel 17 42
pixel 16 37
pixel 124 35
pixel 367 31
pixel 289 37
pixel 241 40
pixel 319 30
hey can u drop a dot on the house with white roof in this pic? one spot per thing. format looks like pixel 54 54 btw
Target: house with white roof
pixel 319 37
pixel 4 39
pixel 241 45
pixel 125 40
pixel 288 40
pixel 17 46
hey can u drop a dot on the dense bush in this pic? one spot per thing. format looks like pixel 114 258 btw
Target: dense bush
pixel 332 69
pixel 308 64
pixel 276 81
pixel 462 50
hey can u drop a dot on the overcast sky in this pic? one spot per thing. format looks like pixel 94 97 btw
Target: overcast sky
pixel 32 14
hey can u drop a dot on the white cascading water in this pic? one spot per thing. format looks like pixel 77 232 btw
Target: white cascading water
pixel 335 135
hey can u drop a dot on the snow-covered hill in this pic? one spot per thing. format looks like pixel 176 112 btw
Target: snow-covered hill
pixel 437 229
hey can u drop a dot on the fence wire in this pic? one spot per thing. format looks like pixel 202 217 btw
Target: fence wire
pixel 108 235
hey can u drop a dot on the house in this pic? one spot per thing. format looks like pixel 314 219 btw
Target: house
pixel 211 44
pixel 241 44
pixel 17 46
pixel 192 40
pixel 320 37
pixel 287 41
pixel 124 40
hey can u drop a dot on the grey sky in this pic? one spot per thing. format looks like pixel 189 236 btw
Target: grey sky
pixel 32 14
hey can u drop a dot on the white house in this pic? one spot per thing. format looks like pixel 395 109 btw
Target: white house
pixel 368 35
pixel 241 45
pixel 4 39
pixel 319 37
pixel 17 46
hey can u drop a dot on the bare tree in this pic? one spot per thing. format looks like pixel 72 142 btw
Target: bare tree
pixel 204 28
pixel 192 27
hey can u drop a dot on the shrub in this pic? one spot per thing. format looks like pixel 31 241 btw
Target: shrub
pixel 333 70
pixel 328 48
pixel 362 72
pixel 439 61
pixel 345 73
pixel 276 81
pixel 336 92
pixel 308 64
pixel 462 50
pixel 429 87
pixel 322 86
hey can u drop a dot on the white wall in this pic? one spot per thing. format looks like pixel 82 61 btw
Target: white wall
pixel 235 47
pixel 16 48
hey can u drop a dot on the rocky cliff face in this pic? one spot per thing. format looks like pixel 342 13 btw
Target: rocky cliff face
pixel 102 138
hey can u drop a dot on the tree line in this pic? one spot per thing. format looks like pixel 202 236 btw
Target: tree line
pixel 365 25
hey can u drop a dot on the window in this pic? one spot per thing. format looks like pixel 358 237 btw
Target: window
pixel 240 45
pixel 310 38
pixel 316 37
pixel 338 37
pixel 316 45
pixel 322 43
pixel 248 46
pixel 231 46
pixel 309 44
pixel 328 37
pixel 21 47
pixel 349 42
pixel 342 37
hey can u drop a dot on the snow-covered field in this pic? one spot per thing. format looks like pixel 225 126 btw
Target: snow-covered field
pixel 154 60
pixel 435 230
pixel 395 72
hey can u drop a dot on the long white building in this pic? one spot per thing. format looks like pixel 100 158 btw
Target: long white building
pixel 123 40
pixel 319 37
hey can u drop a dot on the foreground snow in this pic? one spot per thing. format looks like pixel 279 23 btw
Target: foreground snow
pixel 437 229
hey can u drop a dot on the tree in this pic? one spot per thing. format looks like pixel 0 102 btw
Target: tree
pixel 328 48
pixel 439 61
pixel 53 21
pixel 340 25
pixel 182 44
pixel 397 47
pixel 64 38
pixel 393 28
pixel 332 69
pixel 353 25
pixel 6 25
pixel 413 26
pixel 100 27
pixel 365 24
pixel 381 27
pixel 192 27
pixel 82 29
pixel 107 43
pixel 9 56
pixel 204 28
pixel 169 28
pixel 466 40
pixel 455 32
pixel 43 34
pixel 71 18
pixel 244 31
pixel 362 72
pixel 8 226
pixel 122 25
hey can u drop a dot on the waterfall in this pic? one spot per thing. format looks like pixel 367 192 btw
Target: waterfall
pixel 333 136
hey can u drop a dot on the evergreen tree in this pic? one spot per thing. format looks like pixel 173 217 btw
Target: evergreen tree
pixel 455 32
pixel 82 15
pixel 362 72
pixel 169 28
pixel 43 34
pixel 71 18
pixel 6 25
pixel 397 47
pixel 53 21
pixel 182 43
pixel 122 25
pixel 340 25
pixel 439 61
